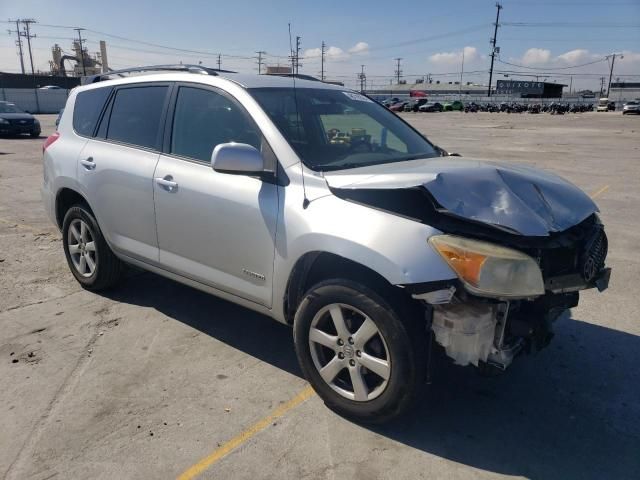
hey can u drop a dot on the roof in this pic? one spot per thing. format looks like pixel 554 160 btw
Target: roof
pixel 190 72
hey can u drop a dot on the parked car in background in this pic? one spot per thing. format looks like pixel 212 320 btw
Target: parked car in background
pixel 455 105
pixel 415 104
pixel 399 106
pixel 431 107
pixel 390 101
pixel 51 87
pixel 603 105
pixel 14 121
pixel 631 107
pixel 375 248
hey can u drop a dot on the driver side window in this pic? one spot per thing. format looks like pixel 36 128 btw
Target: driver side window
pixel 204 119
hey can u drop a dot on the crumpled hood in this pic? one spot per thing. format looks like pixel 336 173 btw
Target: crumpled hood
pixel 518 199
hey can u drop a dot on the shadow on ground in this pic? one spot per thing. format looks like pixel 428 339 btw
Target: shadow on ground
pixel 572 411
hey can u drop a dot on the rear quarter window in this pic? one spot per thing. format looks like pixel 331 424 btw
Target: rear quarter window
pixel 136 115
pixel 87 109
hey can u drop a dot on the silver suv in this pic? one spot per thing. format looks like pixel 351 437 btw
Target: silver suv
pixel 315 205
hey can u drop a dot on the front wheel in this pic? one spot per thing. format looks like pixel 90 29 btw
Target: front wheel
pixel 360 356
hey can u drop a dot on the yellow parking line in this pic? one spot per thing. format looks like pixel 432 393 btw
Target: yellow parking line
pixel 602 190
pixel 241 438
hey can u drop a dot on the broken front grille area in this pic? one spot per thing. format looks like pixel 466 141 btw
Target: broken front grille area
pixel 575 259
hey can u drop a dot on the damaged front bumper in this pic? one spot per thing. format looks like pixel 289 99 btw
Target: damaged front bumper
pixel 479 330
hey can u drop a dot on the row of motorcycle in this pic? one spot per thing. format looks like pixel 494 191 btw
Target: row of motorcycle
pixel 514 107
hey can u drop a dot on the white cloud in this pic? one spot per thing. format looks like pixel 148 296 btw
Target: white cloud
pixel 359 48
pixel 579 55
pixel 454 58
pixel 337 53
pixel 535 56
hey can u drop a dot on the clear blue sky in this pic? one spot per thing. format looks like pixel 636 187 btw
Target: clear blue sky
pixel 422 33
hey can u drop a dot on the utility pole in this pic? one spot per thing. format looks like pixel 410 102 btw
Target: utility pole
pixel 322 52
pixel 27 34
pixel 297 64
pixel 602 79
pixel 260 54
pixel 493 46
pixel 18 42
pixel 398 72
pixel 363 79
pixel 81 51
pixel 219 61
pixel 461 73
pixel 613 60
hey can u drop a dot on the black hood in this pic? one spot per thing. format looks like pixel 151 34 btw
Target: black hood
pixel 17 116
pixel 518 200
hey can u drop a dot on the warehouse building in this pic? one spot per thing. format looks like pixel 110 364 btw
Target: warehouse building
pixel 529 89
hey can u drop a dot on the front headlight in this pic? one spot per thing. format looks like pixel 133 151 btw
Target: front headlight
pixel 36 121
pixel 490 270
pixel 4 121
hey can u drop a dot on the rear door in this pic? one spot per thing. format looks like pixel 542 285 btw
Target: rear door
pixel 116 168
pixel 216 228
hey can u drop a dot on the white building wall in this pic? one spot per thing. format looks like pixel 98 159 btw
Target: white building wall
pixel 34 100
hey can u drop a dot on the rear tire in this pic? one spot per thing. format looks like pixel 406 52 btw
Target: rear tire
pixel 90 259
pixel 372 369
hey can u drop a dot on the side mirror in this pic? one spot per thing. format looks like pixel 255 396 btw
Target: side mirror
pixel 237 158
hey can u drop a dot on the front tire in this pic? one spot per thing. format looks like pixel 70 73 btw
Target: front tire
pixel 364 358
pixel 90 259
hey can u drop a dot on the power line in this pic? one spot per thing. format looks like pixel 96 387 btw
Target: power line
pixel 570 24
pixel 554 68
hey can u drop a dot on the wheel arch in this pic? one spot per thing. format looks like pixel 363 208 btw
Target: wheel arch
pixel 316 266
pixel 65 198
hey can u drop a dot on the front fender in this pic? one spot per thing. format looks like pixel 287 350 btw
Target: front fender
pixel 394 247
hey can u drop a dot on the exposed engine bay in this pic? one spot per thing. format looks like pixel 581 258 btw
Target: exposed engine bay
pixel 540 215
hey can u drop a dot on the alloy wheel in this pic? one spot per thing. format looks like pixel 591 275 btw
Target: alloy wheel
pixel 82 247
pixel 349 352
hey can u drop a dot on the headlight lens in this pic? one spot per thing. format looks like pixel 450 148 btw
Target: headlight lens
pixel 490 270
pixel 4 121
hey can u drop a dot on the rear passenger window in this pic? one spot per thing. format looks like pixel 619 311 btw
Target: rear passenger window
pixel 87 109
pixel 204 119
pixel 135 115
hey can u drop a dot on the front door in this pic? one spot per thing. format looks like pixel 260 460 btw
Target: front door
pixel 215 228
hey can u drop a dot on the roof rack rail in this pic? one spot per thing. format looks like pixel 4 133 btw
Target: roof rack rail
pixel 301 76
pixel 153 68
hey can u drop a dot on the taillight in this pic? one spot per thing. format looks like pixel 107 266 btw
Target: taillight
pixel 50 139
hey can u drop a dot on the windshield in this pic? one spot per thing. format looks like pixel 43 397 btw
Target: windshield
pixel 9 108
pixel 334 130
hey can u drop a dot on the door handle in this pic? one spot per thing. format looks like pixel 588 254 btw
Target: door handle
pixel 167 183
pixel 88 163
